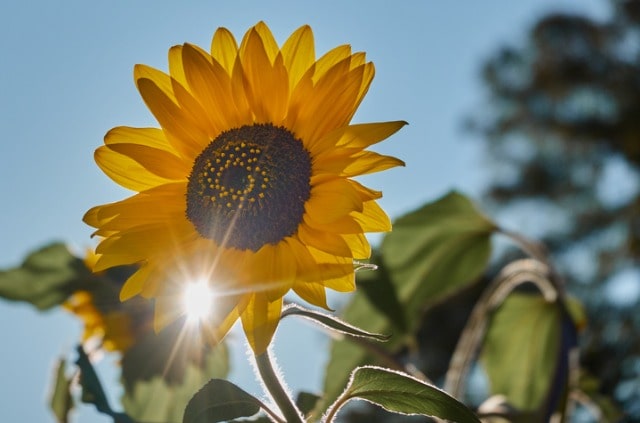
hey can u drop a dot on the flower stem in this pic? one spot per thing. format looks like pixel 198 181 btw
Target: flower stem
pixel 277 391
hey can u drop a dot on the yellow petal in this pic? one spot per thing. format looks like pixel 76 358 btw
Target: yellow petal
pixel 151 137
pixel 299 54
pixel 331 105
pixel 224 49
pixel 140 242
pixel 218 329
pixel 176 69
pixel 238 89
pixel 275 267
pixel 189 139
pixel 266 84
pixel 159 78
pixel 359 245
pixel 342 279
pixel 372 218
pixel 211 84
pixel 343 225
pixel 208 123
pixel 355 137
pixel 134 284
pixel 318 267
pixel 364 193
pixel 270 45
pixel 325 241
pixel 330 59
pixel 105 262
pixel 346 283
pixel 370 162
pixel 313 293
pixel 332 199
pixel 367 77
pixel 91 217
pixel 260 320
pixel 156 161
pixel 178 94
pixel 126 171
pixel 157 205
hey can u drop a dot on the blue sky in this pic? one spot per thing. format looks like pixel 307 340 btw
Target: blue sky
pixel 66 78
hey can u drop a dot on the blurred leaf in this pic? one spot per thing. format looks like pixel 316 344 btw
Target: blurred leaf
pixel 161 373
pixel 61 400
pixel 92 391
pixel 220 400
pixel 603 407
pixel 331 322
pixel 259 419
pixel 431 254
pixel 45 279
pixel 306 402
pixel 436 251
pixel 169 353
pixel 521 349
pixel 400 393
pixel 381 293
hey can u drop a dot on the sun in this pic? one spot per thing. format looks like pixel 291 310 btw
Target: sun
pixel 197 300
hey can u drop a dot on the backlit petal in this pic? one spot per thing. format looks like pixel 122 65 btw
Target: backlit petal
pixel 259 321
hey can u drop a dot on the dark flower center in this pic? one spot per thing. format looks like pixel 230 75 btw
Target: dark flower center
pixel 249 186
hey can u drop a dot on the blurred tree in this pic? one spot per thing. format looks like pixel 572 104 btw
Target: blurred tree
pixel 561 123
pixel 562 129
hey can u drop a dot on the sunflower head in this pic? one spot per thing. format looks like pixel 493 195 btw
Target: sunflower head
pixel 247 183
pixel 109 323
pixel 111 329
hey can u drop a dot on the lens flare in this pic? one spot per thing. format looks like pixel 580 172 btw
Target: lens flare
pixel 197 299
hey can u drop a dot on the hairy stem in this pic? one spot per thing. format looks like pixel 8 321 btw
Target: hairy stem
pixel 274 385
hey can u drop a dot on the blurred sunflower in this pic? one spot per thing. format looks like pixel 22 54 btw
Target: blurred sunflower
pixel 112 329
pixel 247 184
pixel 104 320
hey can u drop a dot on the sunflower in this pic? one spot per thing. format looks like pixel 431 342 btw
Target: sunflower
pixel 247 184
pixel 112 329
pixel 103 320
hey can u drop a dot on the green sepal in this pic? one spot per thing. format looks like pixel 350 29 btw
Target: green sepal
pixel 331 322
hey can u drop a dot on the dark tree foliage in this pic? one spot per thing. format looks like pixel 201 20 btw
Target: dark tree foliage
pixel 562 127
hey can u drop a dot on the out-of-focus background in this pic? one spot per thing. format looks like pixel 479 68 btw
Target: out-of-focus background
pixel 531 107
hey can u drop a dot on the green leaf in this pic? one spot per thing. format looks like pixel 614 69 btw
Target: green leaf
pixel 61 400
pixel 521 349
pixel 46 278
pixel 161 372
pixel 402 394
pixel 92 391
pixel 220 400
pixel 306 402
pixel 169 352
pixel 331 322
pixel 436 251
pixel 432 253
pixel 380 292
